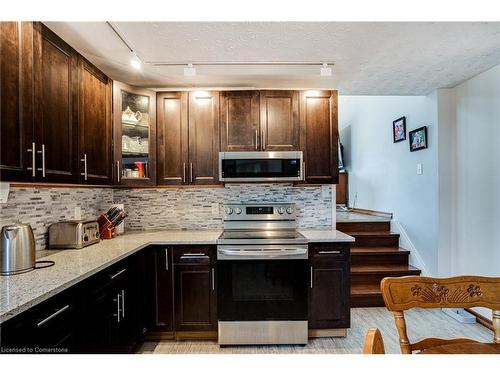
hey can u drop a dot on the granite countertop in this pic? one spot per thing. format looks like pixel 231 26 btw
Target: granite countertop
pixel 20 292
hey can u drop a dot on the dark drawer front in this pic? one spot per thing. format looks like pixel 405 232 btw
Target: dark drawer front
pixel 194 254
pixel 319 252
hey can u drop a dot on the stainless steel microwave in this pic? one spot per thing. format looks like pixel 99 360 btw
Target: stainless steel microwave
pixel 260 166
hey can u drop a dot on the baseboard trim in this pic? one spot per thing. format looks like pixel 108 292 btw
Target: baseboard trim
pixel 481 319
pixel 159 336
pixel 364 211
pixel 334 332
pixel 196 335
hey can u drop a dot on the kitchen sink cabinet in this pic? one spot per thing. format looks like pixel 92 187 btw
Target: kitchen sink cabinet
pixel 188 138
pixel 329 292
pixel 195 296
pixel 319 135
pixel 134 135
pixel 16 101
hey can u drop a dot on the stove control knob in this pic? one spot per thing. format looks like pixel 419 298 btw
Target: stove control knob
pixel 281 210
pixel 229 210
pixel 289 210
pixel 237 210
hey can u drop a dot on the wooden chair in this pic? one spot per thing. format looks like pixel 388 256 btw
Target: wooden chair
pixel 374 344
pixel 403 293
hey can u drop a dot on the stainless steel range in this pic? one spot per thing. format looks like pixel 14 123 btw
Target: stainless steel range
pixel 262 276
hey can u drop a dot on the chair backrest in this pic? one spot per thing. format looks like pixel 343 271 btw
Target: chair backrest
pixel 403 293
pixel 374 344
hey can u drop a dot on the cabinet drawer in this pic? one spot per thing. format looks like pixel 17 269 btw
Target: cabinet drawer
pixel 194 254
pixel 329 251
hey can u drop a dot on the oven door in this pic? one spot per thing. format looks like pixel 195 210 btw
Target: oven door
pixel 262 289
pixel 260 166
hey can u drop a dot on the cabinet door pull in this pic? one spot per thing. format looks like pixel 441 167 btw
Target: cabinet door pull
pixel 263 141
pixel 50 317
pixel 118 173
pixel 184 172
pixel 43 160
pixel 191 172
pixel 311 277
pixel 329 252
pixel 84 173
pixel 256 139
pixel 303 171
pixel 123 303
pixel 33 159
pixel 166 259
pixel 117 300
pixel 117 274
pixel 213 279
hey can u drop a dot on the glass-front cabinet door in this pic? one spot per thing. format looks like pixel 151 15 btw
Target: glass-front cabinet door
pixel 135 135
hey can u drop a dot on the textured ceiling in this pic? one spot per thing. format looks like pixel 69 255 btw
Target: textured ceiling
pixel 373 58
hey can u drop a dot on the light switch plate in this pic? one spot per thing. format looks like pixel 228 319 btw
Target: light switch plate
pixel 215 209
pixel 420 168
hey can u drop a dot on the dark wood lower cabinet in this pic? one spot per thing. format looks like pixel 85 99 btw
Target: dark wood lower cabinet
pixel 329 292
pixel 195 296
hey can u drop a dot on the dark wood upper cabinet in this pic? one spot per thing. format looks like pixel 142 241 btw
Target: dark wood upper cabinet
pixel 239 120
pixel 134 135
pixel 203 137
pixel 56 107
pixel 95 147
pixel 319 135
pixel 279 120
pixel 16 101
pixel 172 139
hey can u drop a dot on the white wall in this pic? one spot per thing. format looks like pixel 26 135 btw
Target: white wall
pixel 382 174
pixel 476 181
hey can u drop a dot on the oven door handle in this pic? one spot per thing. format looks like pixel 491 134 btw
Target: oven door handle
pixel 262 254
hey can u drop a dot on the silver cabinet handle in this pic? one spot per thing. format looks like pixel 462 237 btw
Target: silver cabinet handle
pixel 213 279
pixel 117 274
pixel 118 172
pixel 329 252
pixel 184 172
pixel 123 303
pixel 303 171
pixel 50 317
pixel 117 300
pixel 191 172
pixel 256 139
pixel 311 277
pixel 166 259
pixel 84 173
pixel 263 140
pixel 43 160
pixel 194 256
pixel 33 159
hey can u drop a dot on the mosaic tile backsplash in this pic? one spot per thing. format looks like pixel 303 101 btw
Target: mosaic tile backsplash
pixel 154 209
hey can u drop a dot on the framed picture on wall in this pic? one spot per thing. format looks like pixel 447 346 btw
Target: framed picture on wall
pixel 418 139
pixel 399 129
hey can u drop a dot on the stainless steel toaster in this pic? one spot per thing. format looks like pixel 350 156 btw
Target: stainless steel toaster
pixel 73 234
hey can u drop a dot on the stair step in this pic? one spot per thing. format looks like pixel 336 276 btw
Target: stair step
pixel 379 255
pixel 375 239
pixel 384 269
pixel 364 226
pixel 366 298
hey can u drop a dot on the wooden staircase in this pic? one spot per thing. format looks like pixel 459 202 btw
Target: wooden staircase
pixel 374 255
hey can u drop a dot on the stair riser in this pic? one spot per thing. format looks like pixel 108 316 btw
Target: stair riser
pixel 364 226
pixel 375 279
pixel 373 259
pixel 367 301
pixel 379 241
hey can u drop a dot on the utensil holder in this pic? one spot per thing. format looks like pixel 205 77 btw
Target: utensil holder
pixel 106 229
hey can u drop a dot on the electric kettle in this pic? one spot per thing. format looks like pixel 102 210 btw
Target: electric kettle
pixel 17 249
